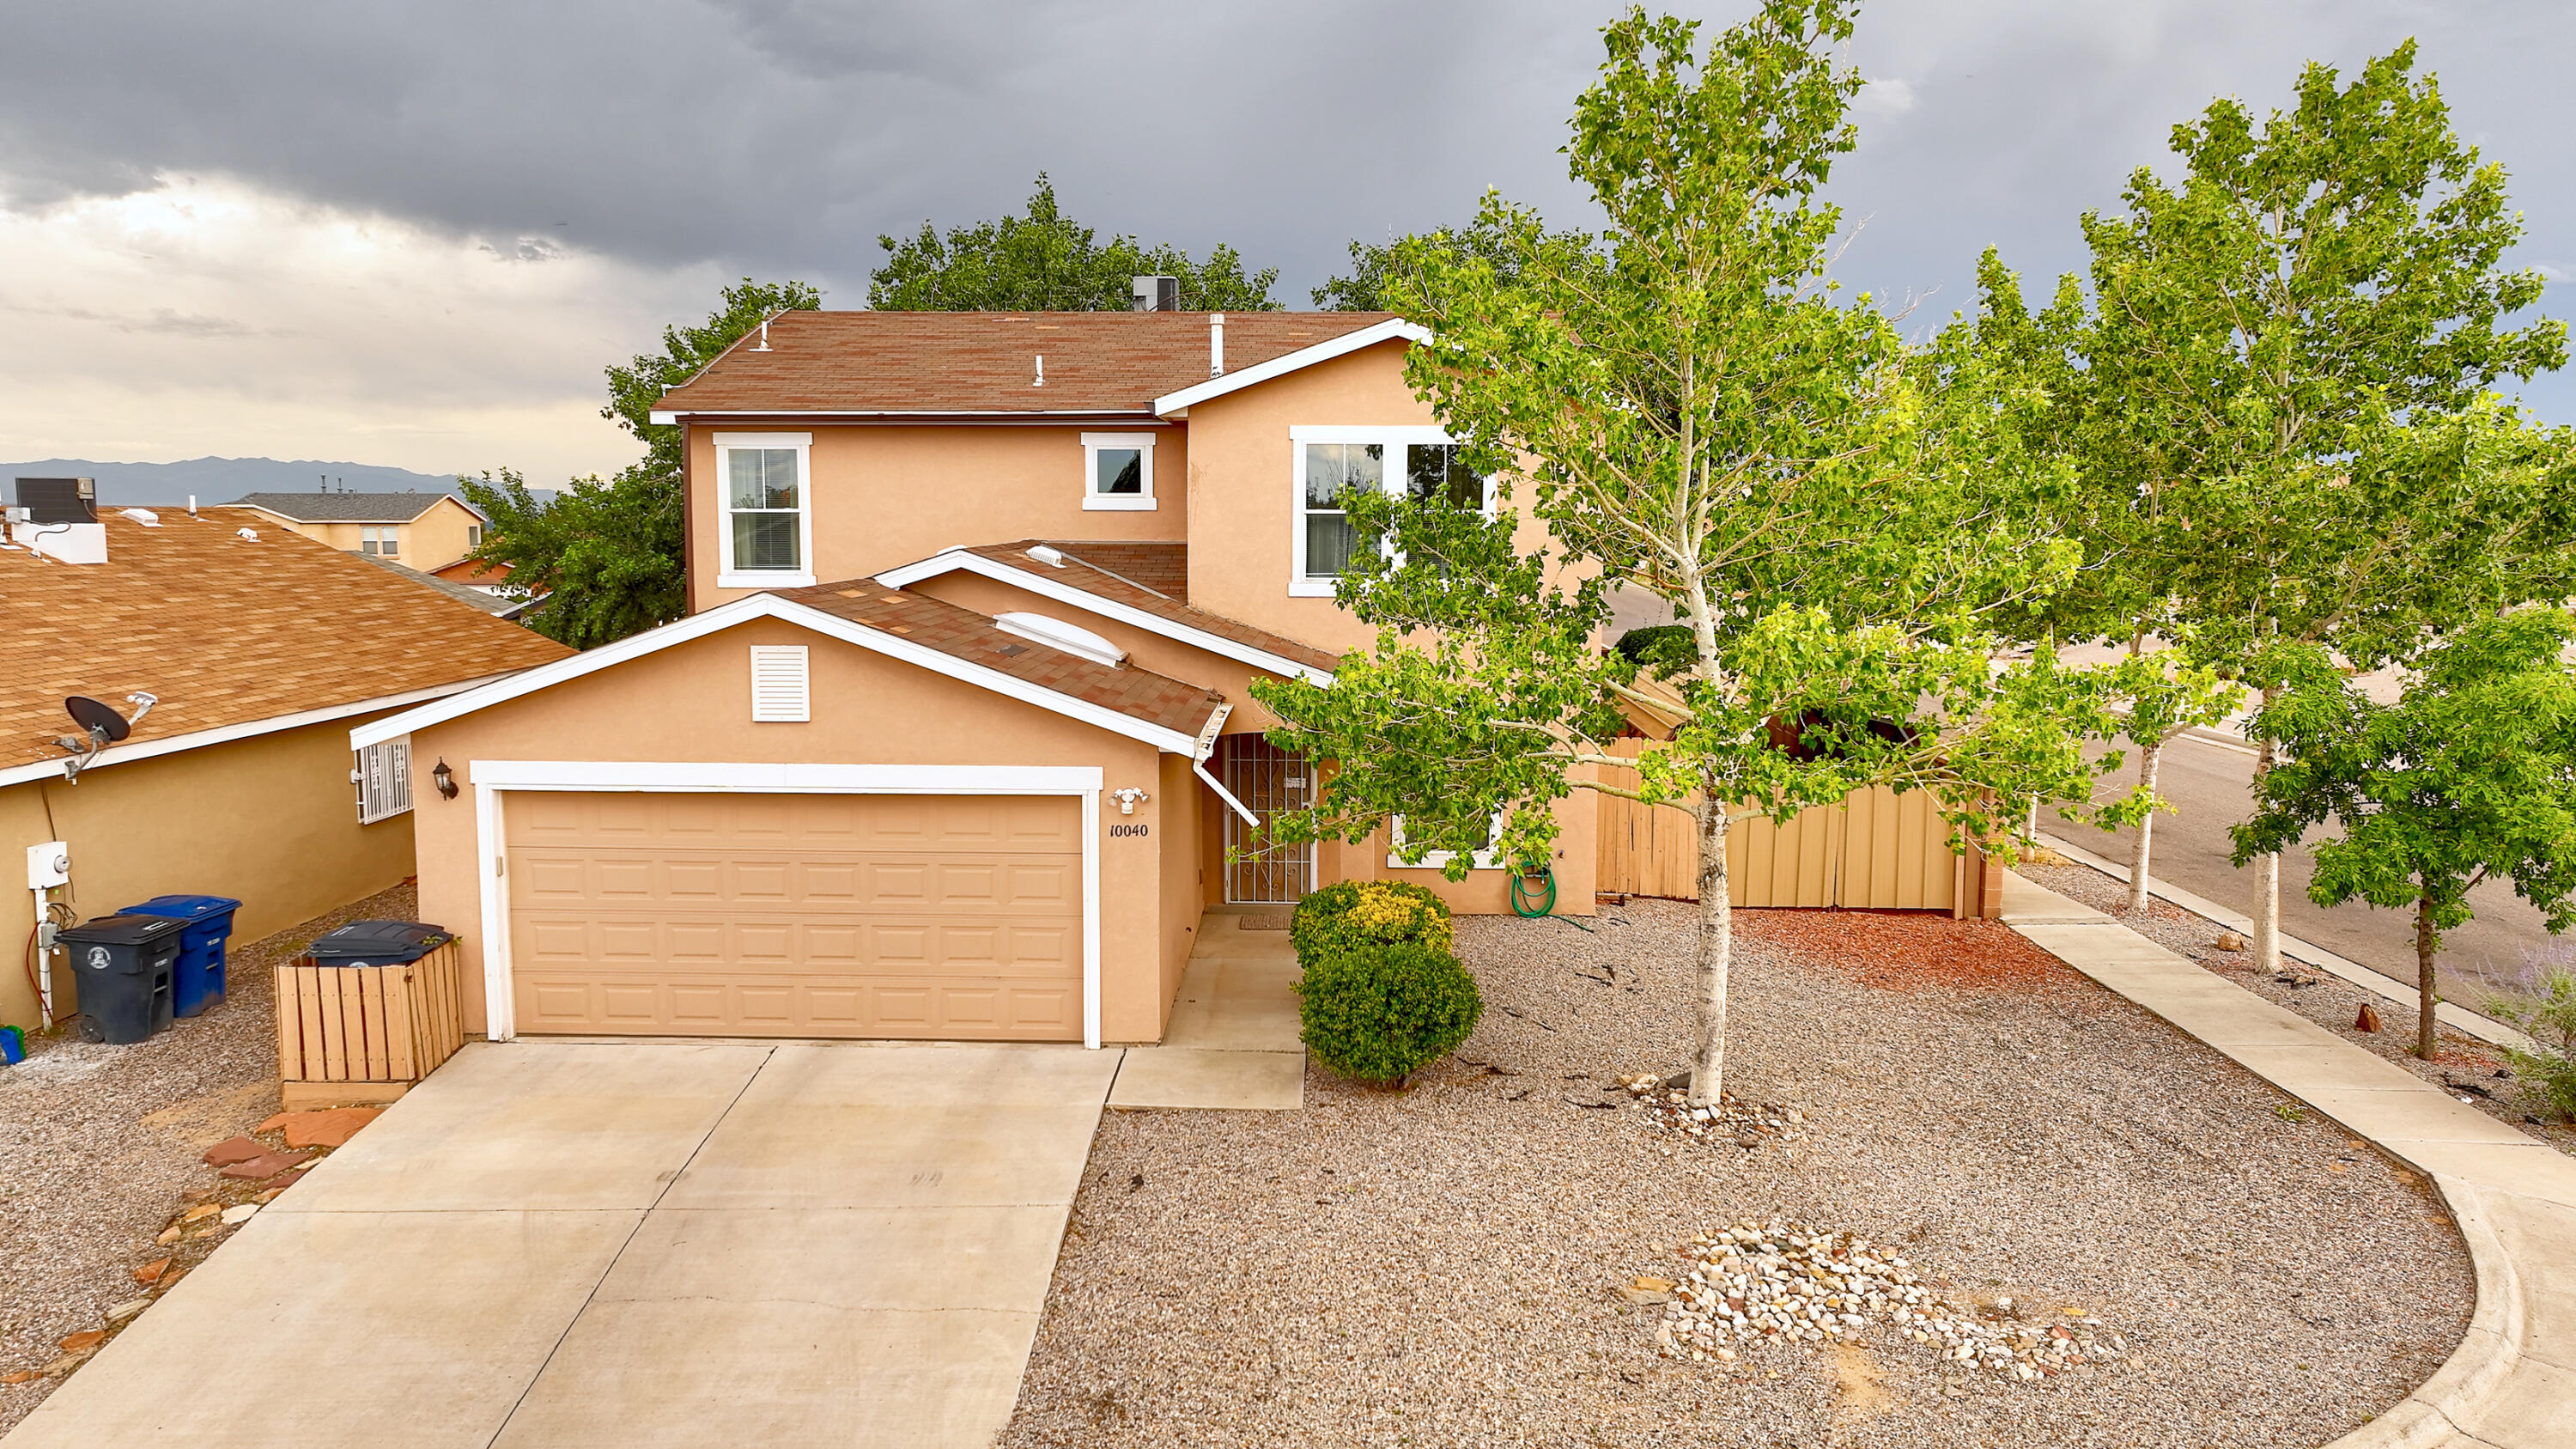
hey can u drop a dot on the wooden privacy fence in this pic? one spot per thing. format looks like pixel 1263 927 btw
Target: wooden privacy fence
pixel 1877 850
pixel 349 1034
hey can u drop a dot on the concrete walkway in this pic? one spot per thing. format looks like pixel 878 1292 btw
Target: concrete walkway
pixel 567 1244
pixel 1235 1040
pixel 2511 1384
pixel 2450 1013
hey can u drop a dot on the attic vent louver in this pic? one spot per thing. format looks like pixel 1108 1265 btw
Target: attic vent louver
pixel 1050 557
pixel 780 693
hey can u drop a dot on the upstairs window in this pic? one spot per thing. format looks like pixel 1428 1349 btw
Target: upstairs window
pixel 1118 471
pixel 1333 469
pixel 473 535
pixel 768 510
pixel 1333 461
pixel 385 542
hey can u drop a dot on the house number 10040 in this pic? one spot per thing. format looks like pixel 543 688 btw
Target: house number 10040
pixel 1115 831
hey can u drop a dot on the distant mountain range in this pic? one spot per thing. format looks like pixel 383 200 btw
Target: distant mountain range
pixel 221 480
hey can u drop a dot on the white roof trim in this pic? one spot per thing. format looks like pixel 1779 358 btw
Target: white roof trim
pixel 743 611
pixel 1389 330
pixel 951 560
pixel 226 734
pixel 1126 417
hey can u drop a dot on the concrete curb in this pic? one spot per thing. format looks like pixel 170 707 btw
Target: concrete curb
pixel 2492 1392
pixel 2432 1415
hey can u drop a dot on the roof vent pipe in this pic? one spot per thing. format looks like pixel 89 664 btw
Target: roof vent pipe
pixel 1216 344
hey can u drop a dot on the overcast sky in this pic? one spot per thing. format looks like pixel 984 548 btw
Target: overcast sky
pixel 412 234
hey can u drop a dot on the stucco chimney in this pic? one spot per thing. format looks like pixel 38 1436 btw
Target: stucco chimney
pixel 1216 344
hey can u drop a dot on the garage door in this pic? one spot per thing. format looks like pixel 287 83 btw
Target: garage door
pixel 796 915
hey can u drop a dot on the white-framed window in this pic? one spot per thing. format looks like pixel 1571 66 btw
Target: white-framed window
pixel 1118 471
pixel 1485 859
pixel 380 542
pixel 780 690
pixel 765 501
pixel 383 778
pixel 473 535
pixel 1330 461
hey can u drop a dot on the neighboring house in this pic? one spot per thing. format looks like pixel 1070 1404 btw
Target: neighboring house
pixel 487 600
pixel 956 740
pixel 424 530
pixel 491 578
pixel 259 654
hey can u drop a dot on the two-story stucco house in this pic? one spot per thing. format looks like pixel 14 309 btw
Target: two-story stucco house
pixel 956 741
pixel 424 531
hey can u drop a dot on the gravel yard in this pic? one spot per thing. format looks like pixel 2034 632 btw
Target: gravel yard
pixel 2469 1069
pixel 1446 1265
pixel 99 1149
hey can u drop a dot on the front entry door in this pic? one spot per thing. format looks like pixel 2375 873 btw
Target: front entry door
pixel 1268 780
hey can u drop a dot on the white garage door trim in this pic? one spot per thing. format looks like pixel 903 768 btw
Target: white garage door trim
pixel 494 778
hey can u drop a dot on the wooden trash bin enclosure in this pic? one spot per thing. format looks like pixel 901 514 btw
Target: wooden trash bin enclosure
pixel 357 1034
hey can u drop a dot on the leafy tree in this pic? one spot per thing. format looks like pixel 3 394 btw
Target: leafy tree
pixel 2285 340
pixel 606 554
pixel 2122 591
pixel 1373 267
pixel 2470 776
pixel 1687 408
pixel 1046 262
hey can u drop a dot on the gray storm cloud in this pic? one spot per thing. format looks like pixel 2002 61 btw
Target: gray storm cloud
pixel 780 137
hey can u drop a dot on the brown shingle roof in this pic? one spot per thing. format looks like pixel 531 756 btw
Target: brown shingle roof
pixel 1121 573
pixel 226 631
pixel 986 362
pixel 964 634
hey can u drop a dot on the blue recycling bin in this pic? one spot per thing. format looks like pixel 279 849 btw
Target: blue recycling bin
pixel 197 982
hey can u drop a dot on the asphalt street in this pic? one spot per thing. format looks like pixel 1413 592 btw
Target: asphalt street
pixel 2210 785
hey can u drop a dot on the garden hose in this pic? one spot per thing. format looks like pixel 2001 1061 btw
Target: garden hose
pixel 1521 892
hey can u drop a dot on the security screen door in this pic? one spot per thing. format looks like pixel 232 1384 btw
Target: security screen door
pixel 1268 780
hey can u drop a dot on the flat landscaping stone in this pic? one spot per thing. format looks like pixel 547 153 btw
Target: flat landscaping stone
pixel 331 1128
pixel 235 1149
pixel 267 1164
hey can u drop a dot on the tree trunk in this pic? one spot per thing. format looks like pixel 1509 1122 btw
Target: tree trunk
pixel 2427 945
pixel 2267 869
pixel 1716 951
pixel 2149 756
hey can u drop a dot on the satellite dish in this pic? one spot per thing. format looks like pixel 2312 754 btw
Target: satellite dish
pixel 97 717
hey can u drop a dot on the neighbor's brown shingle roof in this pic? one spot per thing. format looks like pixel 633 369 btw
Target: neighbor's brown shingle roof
pixel 986 362
pixel 226 631
pixel 1123 573
pixel 964 634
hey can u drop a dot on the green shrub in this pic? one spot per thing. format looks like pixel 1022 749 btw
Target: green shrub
pixel 1381 1009
pixel 2549 1075
pixel 1347 914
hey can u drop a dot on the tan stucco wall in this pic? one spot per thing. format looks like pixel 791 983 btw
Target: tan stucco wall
pixel 1184 898
pixel 692 702
pixel 891 495
pixel 1244 489
pixel 270 821
pixel 438 537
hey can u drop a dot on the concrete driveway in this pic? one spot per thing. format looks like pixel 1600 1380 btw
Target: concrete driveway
pixel 632 1244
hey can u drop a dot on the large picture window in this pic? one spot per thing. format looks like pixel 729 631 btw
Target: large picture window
pixel 765 539
pixel 1332 462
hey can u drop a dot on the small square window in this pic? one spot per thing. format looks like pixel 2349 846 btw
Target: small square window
pixel 1119 472
pixel 473 535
